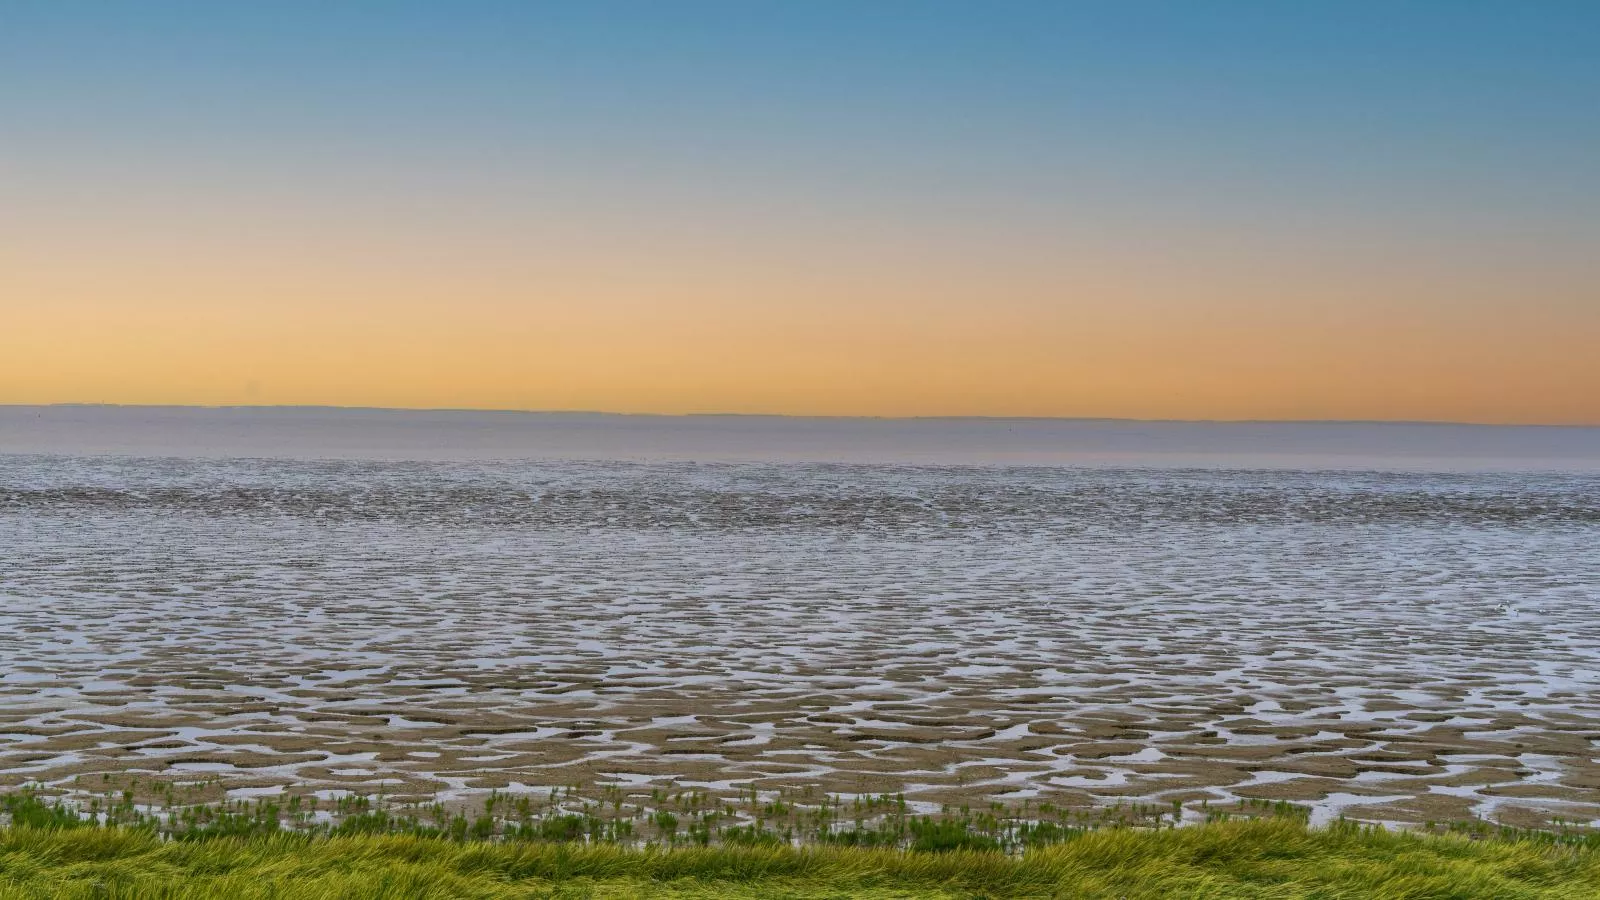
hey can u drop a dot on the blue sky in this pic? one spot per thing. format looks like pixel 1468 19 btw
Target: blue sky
pixel 1327 140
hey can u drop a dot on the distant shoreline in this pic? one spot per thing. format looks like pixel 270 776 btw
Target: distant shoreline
pixel 366 433
pixel 598 413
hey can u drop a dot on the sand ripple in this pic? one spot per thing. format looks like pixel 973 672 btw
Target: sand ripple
pixel 1400 647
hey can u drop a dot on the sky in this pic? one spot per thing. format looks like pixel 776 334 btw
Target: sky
pixel 1222 210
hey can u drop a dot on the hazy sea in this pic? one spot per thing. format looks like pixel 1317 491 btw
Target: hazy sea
pixel 1393 621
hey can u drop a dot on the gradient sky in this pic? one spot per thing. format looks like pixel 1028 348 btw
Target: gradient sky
pixel 1136 209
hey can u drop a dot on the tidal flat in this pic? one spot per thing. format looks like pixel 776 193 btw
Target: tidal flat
pixel 1385 647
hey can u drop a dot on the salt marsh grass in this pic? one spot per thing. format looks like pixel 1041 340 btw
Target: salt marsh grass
pixel 1274 857
pixel 592 842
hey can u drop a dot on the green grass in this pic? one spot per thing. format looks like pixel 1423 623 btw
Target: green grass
pixel 1268 858
pixel 605 814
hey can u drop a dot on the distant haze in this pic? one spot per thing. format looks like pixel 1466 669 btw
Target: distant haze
pixel 376 434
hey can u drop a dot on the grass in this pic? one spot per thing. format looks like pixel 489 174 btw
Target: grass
pixel 1267 858
pixel 156 838
pixel 600 814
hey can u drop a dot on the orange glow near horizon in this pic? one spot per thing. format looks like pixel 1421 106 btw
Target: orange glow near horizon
pixel 1031 209
pixel 753 328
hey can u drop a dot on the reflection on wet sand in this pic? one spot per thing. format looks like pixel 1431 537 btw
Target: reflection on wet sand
pixel 1389 647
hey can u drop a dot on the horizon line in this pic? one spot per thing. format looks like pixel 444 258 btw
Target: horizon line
pixel 739 415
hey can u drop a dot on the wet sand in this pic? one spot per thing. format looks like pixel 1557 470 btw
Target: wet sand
pixel 1391 647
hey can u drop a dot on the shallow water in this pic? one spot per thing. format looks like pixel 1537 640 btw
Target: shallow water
pixel 1394 646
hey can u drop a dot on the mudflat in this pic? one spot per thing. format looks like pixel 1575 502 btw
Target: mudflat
pixel 1391 647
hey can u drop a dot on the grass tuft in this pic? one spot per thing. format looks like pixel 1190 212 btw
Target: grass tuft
pixel 1250 858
